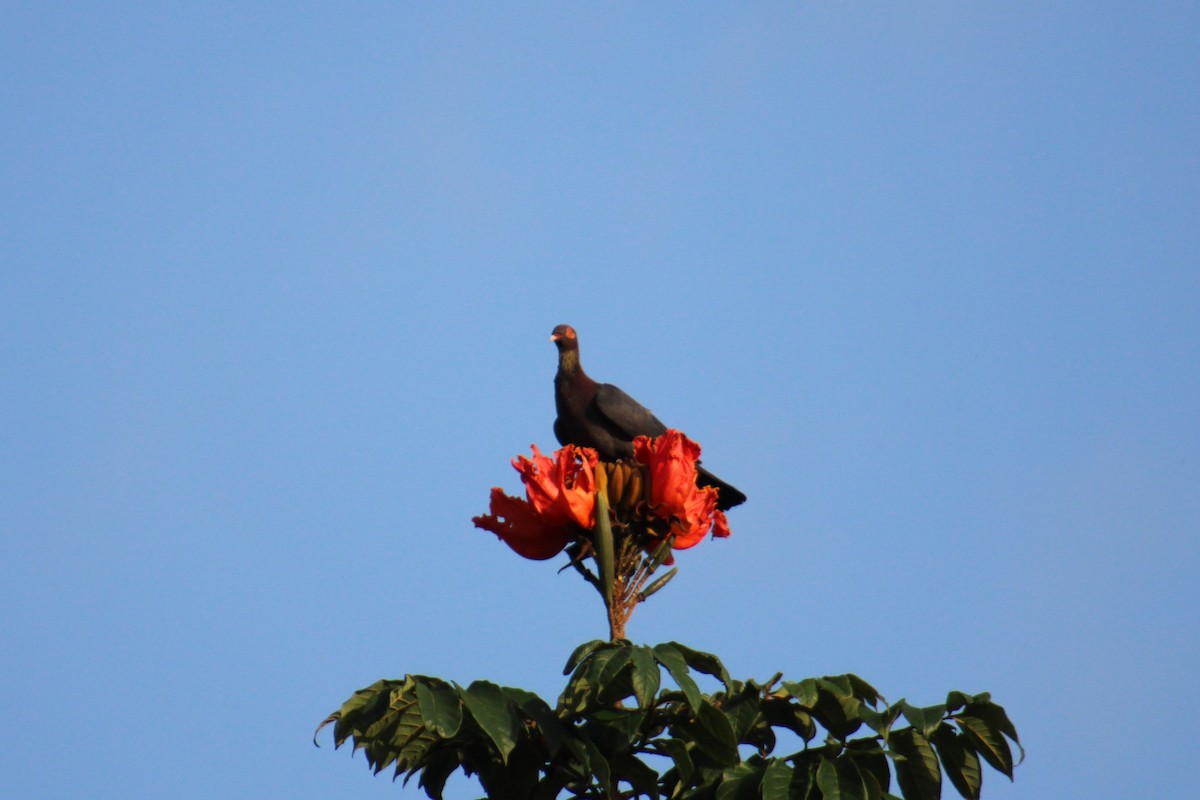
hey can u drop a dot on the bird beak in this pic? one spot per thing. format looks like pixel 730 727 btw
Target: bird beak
pixel 554 337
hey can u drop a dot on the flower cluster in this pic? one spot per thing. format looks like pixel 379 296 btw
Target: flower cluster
pixel 561 499
pixel 627 515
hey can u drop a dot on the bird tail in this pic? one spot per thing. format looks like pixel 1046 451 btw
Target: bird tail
pixel 727 496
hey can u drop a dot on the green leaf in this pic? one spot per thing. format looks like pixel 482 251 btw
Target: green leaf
pixel 634 772
pixel 743 710
pixel 839 784
pixel 583 651
pixel 363 708
pixel 706 663
pixel 872 763
pixel 596 663
pixel 398 734
pixel 383 725
pixel 574 746
pixel 959 761
pixel 620 657
pixel 576 695
pixel 608 671
pixel 854 771
pixel 776 780
pixel 917 769
pixel 838 685
pixel 598 765
pixel 836 709
pixel 440 707
pixel 863 690
pixel 804 778
pixel 614 729
pixel 583 690
pixel 740 783
pixel 926 720
pixel 987 742
pixel 646 675
pixel 782 713
pixel 760 736
pixel 522 771
pixel 537 710
pixel 678 750
pixel 494 713
pixel 870 784
pixel 994 716
pixel 827 780
pixel 670 657
pixel 437 769
pixel 956 700
pixel 805 691
pixel 880 721
pixel 717 739
pixel 376 739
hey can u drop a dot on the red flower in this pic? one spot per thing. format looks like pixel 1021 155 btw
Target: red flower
pixel 562 494
pixel 519 526
pixel 674 495
pixel 562 488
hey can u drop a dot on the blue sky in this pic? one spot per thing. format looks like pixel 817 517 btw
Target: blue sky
pixel 277 287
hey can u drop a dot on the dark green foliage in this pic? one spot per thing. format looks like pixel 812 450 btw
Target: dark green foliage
pixel 617 734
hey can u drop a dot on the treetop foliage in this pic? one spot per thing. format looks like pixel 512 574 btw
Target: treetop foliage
pixel 618 733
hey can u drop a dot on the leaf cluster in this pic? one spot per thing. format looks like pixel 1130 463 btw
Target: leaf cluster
pixel 618 732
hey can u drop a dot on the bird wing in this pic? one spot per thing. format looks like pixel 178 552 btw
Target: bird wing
pixel 626 413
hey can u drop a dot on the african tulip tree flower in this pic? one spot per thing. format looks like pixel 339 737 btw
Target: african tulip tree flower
pixel 519 526
pixel 562 488
pixel 561 492
pixel 673 494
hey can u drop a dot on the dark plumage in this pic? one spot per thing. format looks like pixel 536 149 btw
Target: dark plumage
pixel 602 416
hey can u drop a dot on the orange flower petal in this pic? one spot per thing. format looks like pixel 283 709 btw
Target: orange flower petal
pixel 561 488
pixel 577 498
pixel 537 475
pixel 720 525
pixel 519 526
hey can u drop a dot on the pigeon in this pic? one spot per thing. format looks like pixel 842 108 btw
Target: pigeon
pixel 601 416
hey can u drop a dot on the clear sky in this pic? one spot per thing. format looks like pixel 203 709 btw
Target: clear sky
pixel 277 285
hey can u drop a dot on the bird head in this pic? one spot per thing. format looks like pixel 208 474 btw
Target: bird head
pixel 564 338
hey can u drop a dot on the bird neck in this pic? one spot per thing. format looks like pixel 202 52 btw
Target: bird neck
pixel 568 362
pixel 571 383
